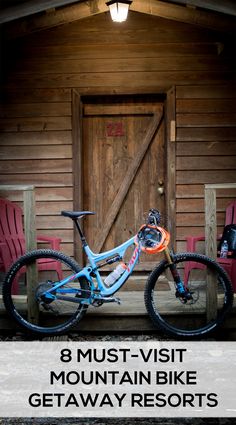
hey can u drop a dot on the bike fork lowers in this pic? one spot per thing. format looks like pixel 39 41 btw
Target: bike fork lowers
pixel 180 289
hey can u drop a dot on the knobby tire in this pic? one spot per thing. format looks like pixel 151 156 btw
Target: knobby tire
pixel 20 317
pixel 184 323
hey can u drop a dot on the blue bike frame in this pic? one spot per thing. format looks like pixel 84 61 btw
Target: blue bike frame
pixel 91 272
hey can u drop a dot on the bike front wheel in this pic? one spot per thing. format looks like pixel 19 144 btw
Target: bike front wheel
pixel 44 269
pixel 196 316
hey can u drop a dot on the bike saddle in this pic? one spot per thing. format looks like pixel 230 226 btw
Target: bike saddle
pixel 76 214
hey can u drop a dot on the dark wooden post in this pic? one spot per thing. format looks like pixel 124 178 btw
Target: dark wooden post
pixel 30 237
pixel 210 235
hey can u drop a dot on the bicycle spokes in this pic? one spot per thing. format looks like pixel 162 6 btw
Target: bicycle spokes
pixel 178 301
pixel 56 307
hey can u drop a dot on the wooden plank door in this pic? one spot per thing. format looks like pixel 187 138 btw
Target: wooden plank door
pixel 123 167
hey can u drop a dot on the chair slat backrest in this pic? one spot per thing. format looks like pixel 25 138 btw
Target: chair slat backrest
pixel 230 217
pixel 11 229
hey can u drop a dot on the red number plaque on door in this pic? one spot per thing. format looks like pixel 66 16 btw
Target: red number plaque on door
pixel 115 129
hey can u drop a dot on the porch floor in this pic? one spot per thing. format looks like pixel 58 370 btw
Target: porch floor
pixel 129 316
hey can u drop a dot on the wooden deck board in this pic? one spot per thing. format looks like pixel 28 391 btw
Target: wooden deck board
pixel 132 304
pixel 130 316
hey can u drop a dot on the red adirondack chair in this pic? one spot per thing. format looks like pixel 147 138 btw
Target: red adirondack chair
pixel 12 240
pixel 229 264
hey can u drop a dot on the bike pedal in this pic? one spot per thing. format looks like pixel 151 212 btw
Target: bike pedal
pixel 109 300
pixel 117 300
pixel 114 300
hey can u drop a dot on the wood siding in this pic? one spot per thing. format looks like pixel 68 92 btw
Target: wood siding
pixel 144 55
pixel 205 153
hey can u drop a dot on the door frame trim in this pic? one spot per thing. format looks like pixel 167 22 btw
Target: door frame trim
pixel 170 122
pixel 77 159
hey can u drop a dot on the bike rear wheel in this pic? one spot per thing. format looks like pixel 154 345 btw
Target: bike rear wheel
pixel 47 267
pixel 191 318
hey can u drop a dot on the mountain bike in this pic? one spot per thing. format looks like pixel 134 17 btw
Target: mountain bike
pixel 176 295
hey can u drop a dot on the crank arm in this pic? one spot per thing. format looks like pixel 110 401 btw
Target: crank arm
pixel 108 300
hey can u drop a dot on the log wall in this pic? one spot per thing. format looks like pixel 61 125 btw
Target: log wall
pixel 144 55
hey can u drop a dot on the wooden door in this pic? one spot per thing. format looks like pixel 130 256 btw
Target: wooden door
pixel 123 167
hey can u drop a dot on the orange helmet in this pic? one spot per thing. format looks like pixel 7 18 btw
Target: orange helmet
pixel 152 239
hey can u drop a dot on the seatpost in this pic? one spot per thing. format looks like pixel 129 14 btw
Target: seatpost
pixel 82 237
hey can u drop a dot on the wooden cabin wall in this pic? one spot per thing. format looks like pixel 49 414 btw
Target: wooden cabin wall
pixel 144 55
pixel 205 153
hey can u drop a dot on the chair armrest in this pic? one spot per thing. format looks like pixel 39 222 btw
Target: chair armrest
pixel 192 241
pixel 54 242
pixel 5 257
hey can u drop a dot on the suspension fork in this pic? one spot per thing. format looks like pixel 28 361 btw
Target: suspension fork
pixel 174 271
